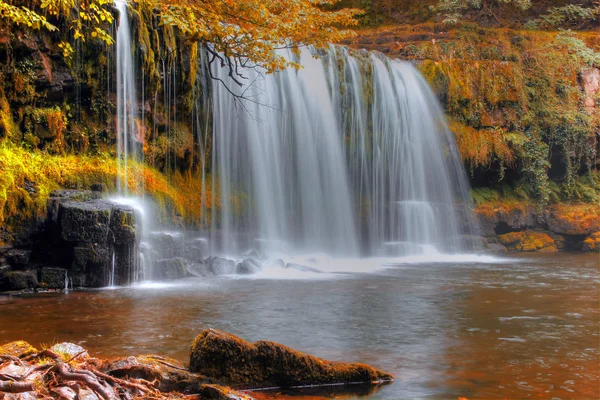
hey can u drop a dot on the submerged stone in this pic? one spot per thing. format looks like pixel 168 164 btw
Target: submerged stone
pixel 235 362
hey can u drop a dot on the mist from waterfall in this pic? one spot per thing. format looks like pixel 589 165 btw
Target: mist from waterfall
pixel 350 156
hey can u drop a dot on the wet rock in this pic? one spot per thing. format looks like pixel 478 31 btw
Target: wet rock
pixel 98 187
pixel 70 351
pixel 248 266
pixel 122 224
pixel 173 268
pixel 91 265
pixel 235 362
pixel 167 245
pixel 528 241
pixel 592 242
pixel 85 222
pixel 218 392
pixel 18 258
pixel 18 280
pixel 170 374
pixel 18 349
pixel 303 268
pixel 574 219
pixel 196 269
pixel 503 218
pixel 495 248
pixel 219 266
pixel 53 278
pixel 92 238
pixel 197 249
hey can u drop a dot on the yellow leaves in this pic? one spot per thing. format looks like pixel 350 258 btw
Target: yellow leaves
pixel 254 29
pixel 81 17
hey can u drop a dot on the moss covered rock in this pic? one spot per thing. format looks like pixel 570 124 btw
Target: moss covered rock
pixel 235 362
pixel 574 219
pixel 17 349
pixel 528 241
pixel 592 242
pixel 18 280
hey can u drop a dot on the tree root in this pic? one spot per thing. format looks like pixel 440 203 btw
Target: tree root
pixel 74 375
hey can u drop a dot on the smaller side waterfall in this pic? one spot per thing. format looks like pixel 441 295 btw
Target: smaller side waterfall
pixel 127 99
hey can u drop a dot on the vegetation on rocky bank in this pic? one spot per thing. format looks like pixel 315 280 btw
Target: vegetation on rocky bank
pixel 522 99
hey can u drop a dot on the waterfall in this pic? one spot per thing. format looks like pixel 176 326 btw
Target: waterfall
pixel 349 155
pixel 127 133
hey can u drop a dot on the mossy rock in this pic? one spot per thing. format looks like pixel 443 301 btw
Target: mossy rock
pixel 17 349
pixel 528 241
pixel 18 280
pixel 592 242
pixel 237 363
pixel 574 219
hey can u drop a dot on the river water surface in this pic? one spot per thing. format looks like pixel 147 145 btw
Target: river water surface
pixel 525 327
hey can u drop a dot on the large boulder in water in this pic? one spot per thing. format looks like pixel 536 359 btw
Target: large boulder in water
pixel 172 268
pixel 248 266
pixel 235 362
pixel 219 266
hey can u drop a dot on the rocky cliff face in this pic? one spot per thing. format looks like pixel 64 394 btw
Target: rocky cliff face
pixel 84 241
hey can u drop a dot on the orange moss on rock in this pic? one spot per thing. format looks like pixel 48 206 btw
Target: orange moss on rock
pixel 19 348
pixel 528 241
pixel 574 219
pixel 235 362
pixel 515 214
pixel 592 242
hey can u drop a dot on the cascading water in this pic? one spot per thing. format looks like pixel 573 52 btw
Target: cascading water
pixel 127 138
pixel 353 148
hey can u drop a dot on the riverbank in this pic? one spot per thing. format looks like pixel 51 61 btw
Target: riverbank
pixel 67 371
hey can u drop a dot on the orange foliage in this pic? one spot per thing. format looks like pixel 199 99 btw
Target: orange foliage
pixel 251 30
pixel 575 219
pixel 481 147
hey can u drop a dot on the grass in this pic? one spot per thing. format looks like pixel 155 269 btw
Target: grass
pixel 28 178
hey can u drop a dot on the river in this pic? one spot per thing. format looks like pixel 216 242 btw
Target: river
pixel 516 327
